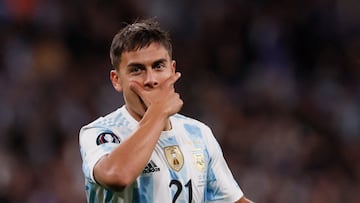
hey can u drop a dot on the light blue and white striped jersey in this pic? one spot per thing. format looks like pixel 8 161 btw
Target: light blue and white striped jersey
pixel 187 164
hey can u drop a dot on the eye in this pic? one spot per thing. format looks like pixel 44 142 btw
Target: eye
pixel 159 65
pixel 135 69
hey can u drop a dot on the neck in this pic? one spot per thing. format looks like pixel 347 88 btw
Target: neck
pixel 137 117
pixel 167 126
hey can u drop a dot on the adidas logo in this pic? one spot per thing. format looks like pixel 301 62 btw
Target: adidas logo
pixel 151 167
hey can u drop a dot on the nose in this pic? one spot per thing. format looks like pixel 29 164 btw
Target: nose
pixel 150 80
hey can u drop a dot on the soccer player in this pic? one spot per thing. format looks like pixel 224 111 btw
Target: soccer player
pixel 145 151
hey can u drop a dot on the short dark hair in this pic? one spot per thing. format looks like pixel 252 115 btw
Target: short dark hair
pixel 136 36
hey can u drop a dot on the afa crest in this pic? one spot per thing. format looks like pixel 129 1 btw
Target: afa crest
pixel 199 160
pixel 174 157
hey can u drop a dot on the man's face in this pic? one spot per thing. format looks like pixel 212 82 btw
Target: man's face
pixel 149 67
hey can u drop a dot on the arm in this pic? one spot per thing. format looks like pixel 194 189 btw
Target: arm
pixel 244 200
pixel 124 164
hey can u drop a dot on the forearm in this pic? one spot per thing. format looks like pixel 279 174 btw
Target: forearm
pixel 121 167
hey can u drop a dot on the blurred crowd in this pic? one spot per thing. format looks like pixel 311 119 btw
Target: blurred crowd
pixel 278 82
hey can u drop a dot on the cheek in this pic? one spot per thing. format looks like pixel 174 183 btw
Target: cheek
pixel 129 95
pixel 130 99
pixel 127 92
pixel 166 75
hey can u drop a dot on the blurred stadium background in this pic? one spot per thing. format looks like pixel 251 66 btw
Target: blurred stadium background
pixel 279 82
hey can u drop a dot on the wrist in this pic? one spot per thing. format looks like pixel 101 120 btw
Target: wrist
pixel 155 118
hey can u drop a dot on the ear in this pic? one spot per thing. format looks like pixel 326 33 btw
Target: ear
pixel 115 80
pixel 173 66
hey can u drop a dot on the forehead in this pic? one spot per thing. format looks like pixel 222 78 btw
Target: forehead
pixel 145 55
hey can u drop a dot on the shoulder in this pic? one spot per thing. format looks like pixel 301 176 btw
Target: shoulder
pixel 105 129
pixel 100 122
pixel 116 122
pixel 197 131
pixel 112 120
pixel 180 118
pixel 191 125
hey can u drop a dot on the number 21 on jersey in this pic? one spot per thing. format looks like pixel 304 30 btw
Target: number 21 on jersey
pixel 179 188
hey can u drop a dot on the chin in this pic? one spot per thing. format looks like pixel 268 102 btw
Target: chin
pixel 141 111
pixel 136 113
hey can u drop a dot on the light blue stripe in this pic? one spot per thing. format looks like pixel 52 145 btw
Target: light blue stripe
pixel 195 135
pixel 145 193
pixel 193 130
pixel 213 191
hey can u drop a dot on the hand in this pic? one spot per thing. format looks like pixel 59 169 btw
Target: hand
pixel 162 98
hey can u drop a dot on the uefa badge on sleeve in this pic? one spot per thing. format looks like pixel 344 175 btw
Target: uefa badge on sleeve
pixel 107 137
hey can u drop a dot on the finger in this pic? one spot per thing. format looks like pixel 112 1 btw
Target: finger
pixel 137 88
pixel 171 81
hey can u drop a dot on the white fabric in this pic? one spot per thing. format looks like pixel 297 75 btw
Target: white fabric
pixel 204 168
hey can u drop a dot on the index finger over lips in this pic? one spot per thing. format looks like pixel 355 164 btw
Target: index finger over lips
pixel 137 88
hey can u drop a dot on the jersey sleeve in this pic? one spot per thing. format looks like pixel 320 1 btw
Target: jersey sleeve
pixel 221 185
pixel 94 144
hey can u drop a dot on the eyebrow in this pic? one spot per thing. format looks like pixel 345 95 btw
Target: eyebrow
pixel 162 60
pixel 159 61
pixel 135 65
